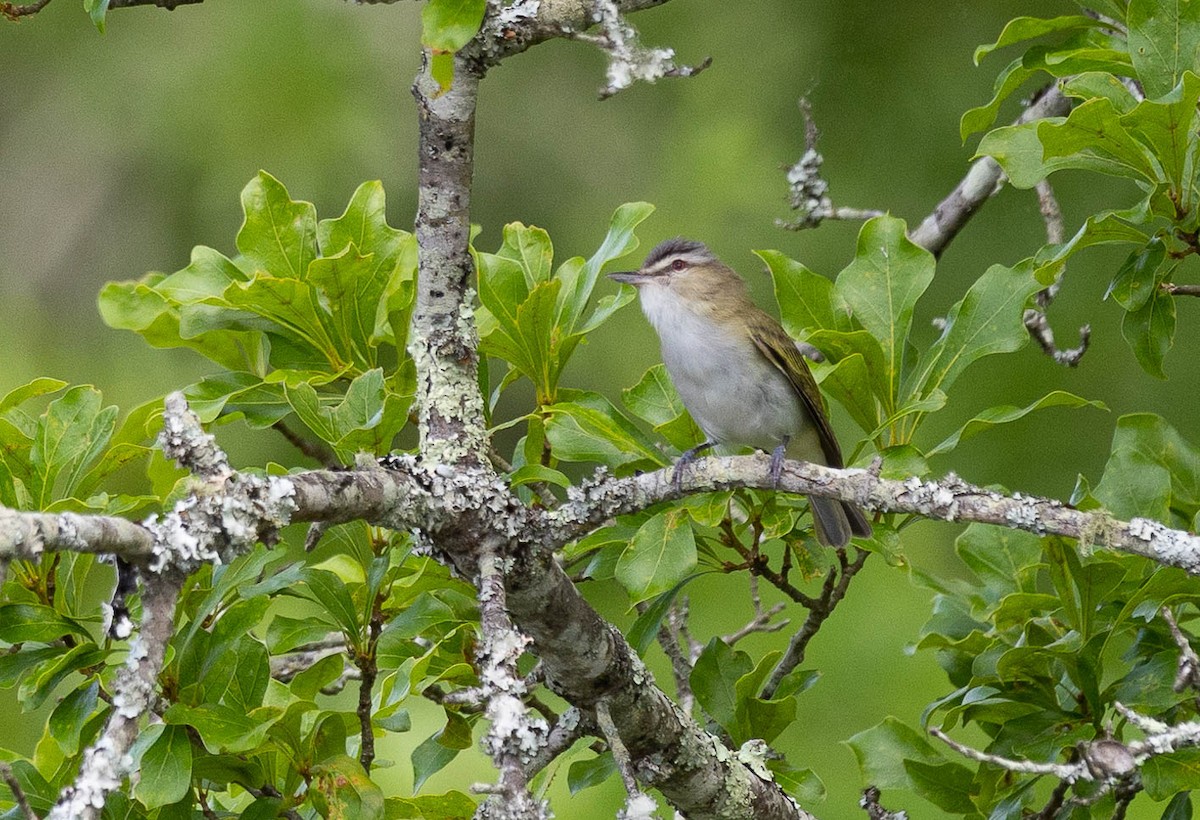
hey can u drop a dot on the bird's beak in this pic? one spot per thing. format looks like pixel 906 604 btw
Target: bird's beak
pixel 629 277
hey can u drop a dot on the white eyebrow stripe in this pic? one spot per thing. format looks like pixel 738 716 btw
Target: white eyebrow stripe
pixel 664 264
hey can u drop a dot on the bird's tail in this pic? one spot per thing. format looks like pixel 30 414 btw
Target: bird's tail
pixel 834 521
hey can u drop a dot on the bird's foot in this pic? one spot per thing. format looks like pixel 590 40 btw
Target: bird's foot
pixel 684 461
pixel 776 470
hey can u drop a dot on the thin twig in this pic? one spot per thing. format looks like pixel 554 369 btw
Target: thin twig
pixel 368 669
pixel 1180 290
pixel 15 12
pixel 315 449
pixel 809 191
pixel 1188 669
pixel 1057 797
pixel 681 668
pixel 832 593
pixel 14 786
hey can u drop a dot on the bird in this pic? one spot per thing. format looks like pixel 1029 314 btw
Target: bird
pixel 741 377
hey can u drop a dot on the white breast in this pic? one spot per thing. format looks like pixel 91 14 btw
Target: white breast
pixel 734 394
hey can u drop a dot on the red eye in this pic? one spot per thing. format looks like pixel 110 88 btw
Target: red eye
pixel 678 264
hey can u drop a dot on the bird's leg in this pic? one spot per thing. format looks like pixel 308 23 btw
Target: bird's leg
pixel 777 461
pixel 687 458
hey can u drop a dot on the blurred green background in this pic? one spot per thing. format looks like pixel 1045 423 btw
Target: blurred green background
pixel 120 152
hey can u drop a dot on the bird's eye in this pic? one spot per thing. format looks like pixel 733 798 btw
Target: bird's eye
pixel 678 264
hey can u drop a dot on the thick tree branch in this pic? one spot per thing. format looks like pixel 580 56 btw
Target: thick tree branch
pixel 983 179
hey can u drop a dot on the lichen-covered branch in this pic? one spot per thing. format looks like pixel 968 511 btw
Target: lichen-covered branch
pixel 982 180
pixel 948 499
pixel 515 734
pixel 106 762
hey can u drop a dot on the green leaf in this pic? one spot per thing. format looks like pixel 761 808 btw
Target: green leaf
pixel 439 749
pixel 619 241
pixel 353 285
pixel 945 785
pixel 534 473
pixel 165 769
pixel 1151 470
pixel 449 806
pixel 284 307
pixel 69 716
pixel 850 383
pixel 883 750
pixel 328 590
pixel 661 554
pixel 1102 228
pixel 645 629
pixel 20 623
pixel 30 390
pixel 97 9
pixel 882 285
pixel 1150 331
pixel 1091 84
pixel 1020 29
pixel 590 429
pixel 1137 279
pixel 224 729
pixel 448 25
pixel 1166 126
pixel 591 771
pixel 654 398
pixel 1009 80
pixel 73 433
pixel 278 235
pixel 1005 414
pixel 714 680
pixel 988 320
pixel 340 788
pixel 285 634
pixel 1092 138
pixel 1180 807
pixel 806 299
pixel 1164 38
pixel 1166 775
pixel 529 247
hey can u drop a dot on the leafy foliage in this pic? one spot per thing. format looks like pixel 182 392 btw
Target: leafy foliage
pixel 1151 142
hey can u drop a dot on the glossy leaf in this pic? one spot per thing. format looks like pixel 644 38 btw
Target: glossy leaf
pixel 882 285
pixel 988 320
pixel 590 429
pixel 432 755
pixel 165 767
pixel 806 299
pixel 1137 279
pixel 1150 331
pixel 1005 414
pixel 883 750
pixel 714 680
pixel 1163 41
pixel 662 552
pixel 279 235
pixel 1020 29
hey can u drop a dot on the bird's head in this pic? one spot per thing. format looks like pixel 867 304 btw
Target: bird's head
pixel 682 265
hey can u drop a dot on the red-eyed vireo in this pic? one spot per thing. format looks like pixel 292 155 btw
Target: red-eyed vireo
pixel 739 374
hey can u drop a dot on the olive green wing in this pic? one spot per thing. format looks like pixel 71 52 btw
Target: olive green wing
pixel 781 351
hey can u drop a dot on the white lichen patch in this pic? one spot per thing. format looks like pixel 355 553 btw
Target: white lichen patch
pixel 101 772
pixel 639 806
